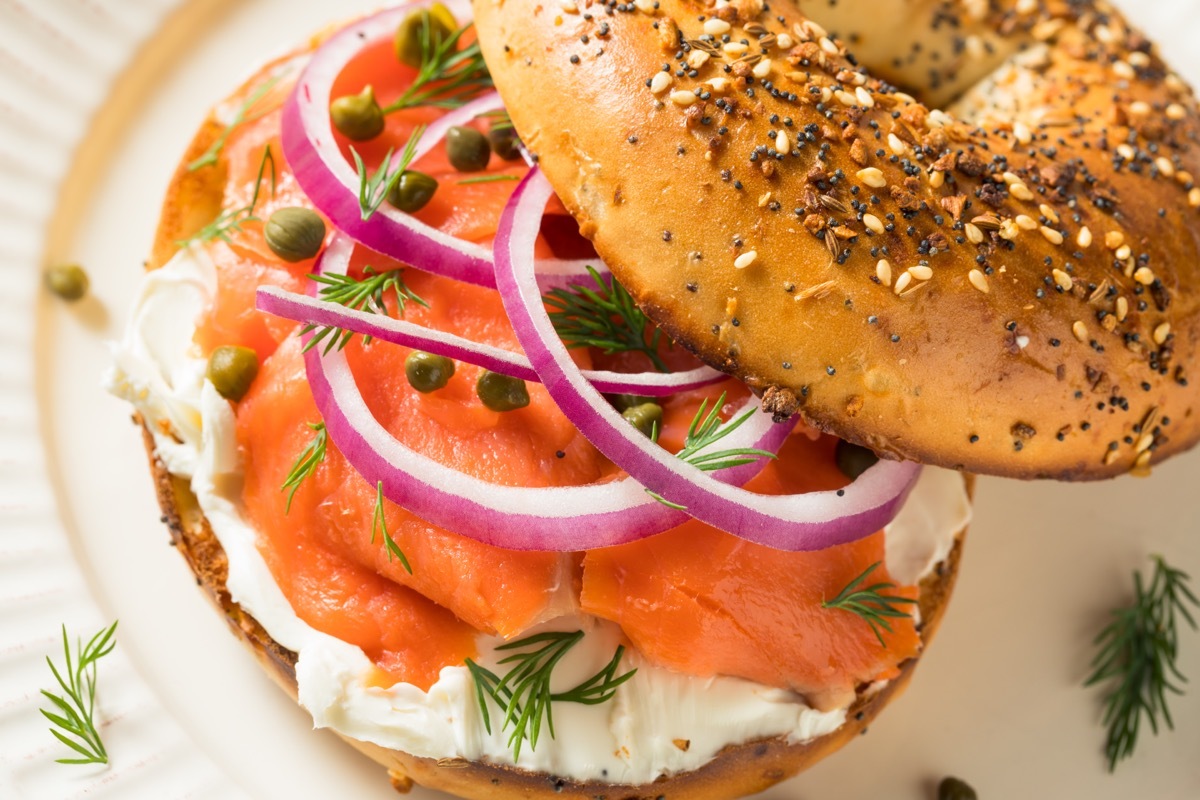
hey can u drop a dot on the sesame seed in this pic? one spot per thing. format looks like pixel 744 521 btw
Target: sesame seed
pixel 828 46
pixel 785 42
pixel 902 282
pixel 873 223
pixel 735 48
pixel 1062 280
pixel 1049 213
pixel 1165 166
pixel 660 82
pixel 1144 276
pixel 1022 133
pixel 1084 239
pixel 714 26
pixel 921 272
pixel 937 178
pixel 1143 444
pixel 745 259
pixel 1020 191
pixel 1161 333
pixel 1194 197
pixel 897 145
pixel 1052 236
pixel 1176 112
pixel 974 234
pixel 782 144
pixel 762 69
pixel 1123 70
pixel 1126 151
pixel 979 281
pixel 1122 309
pixel 872 177
pixel 864 97
pixel 1009 230
pixel 845 98
pixel 883 271
pixel 1026 222
pixel 1080 330
pixel 1011 177
pixel 1114 239
pixel 683 97
pixel 1123 252
pixel 697 59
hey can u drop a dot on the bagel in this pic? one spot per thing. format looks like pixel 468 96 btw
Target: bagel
pixel 194 198
pixel 965 233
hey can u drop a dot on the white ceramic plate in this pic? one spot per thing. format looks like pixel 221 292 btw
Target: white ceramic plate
pixel 97 99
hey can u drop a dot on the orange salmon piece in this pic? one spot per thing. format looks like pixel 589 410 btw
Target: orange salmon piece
pixel 703 602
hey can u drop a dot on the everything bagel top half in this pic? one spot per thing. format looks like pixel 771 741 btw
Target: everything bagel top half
pixel 964 233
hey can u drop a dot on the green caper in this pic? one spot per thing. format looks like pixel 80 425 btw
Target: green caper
pixel 231 370
pixel 295 233
pixel 853 460
pixel 955 789
pixel 435 25
pixel 501 392
pixel 468 149
pixel 505 142
pixel 357 116
pixel 413 191
pixel 68 281
pixel 426 372
pixel 646 418
pixel 624 402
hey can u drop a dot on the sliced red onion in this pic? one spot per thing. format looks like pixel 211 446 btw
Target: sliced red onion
pixel 311 311
pixel 812 521
pixel 570 518
pixel 312 151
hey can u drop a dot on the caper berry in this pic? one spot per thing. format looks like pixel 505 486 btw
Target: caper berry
pixel 955 789
pixel 231 370
pixel 437 20
pixel 357 116
pixel 501 392
pixel 468 149
pixel 505 142
pixel 295 233
pixel 624 402
pixel 413 191
pixel 646 418
pixel 426 372
pixel 853 460
pixel 68 281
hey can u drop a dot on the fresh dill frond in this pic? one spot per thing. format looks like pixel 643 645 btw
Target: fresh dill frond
pixel 306 463
pixel 75 724
pixel 524 695
pixel 210 156
pixel 1137 658
pixel 706 430
pixel 361 294
pixel 448 77
pixel 373 188
pixel 488 179
pixel 871 603
pixel 605 318
pixel 232 220
pixel 498 119
pixel 379 525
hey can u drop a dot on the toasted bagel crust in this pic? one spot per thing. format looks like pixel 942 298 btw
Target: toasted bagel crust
pixel 191 201
pixel 1013 296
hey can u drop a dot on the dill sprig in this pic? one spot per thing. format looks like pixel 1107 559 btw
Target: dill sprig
pixel 306 463
pixel 871 603
pixel 361 294
pixel 379 525
pixel 76 726
pixel 448 77
pixel 373 188
pixel 210 156
pixel 524 695
pixel 232 220
pixel 1137 657
pixel 706 430
pixel 605 318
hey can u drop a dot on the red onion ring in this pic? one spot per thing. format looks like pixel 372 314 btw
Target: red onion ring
pixel 812 521
pixel 329 180
pixel 311 311
pixel 569 518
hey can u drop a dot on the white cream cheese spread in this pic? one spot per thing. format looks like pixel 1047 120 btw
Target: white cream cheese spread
pixel 632 739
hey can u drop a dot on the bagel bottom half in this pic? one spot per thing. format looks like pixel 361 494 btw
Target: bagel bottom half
pixel 192 200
